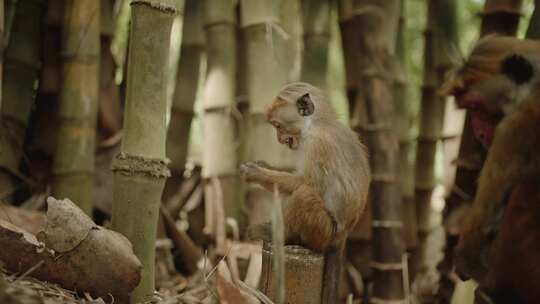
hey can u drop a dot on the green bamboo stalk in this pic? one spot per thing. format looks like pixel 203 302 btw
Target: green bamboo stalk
pixel 266 73
pixel 316 23
pixel 140 169
pixel 533 31
pixel 22 62
pixel 73 167
pixel 220 153
pixel 2 34
pixel 187 82
pixel 9 15
pixel 407 131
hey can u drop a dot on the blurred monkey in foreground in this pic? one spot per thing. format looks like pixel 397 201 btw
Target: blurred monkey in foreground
pixel 499 238
pixel 326 194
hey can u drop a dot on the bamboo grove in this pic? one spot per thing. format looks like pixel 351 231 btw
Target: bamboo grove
pixel 141 113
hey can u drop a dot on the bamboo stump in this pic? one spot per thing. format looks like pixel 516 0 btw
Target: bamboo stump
pixel 303 275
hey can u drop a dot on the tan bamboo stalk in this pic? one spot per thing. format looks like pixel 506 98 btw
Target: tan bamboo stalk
pixel 500 17
pixel 220 154
pixel 350 48
pixel 440 46
pixel 140 169
pixel 45 125
pixel 316 25
pixel 292 49
pixel 187 83
pixel 22 62
pixel 73 167
pixel 533 31
pixel 265 75
pixel 373 26
pixel 407 131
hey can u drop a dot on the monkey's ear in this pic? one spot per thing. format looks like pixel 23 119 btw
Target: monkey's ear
pixel 517 68
pixel 305 105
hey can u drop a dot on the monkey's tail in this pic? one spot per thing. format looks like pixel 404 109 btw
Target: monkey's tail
pixel 332 275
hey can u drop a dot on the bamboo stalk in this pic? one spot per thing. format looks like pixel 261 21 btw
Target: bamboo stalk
pixel 140 169
pixel 407 111
pixel 187 82
pixel 372 26
pixel 73 167
pixel 533 31
pixel 440 44
pixel 316 22
pixel 266 73
pixel 22 62
pixel 9 14
pixel 110 109
pixel 501 17
pixel 220 154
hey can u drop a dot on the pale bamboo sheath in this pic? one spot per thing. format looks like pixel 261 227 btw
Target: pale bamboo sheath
pixel 266 73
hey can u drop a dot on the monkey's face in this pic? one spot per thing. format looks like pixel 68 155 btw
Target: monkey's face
pixel 484 110
pixel 489 99
pixel 287 125
pixel 290 119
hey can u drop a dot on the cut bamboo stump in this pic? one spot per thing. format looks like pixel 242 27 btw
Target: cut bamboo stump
pixel 303 275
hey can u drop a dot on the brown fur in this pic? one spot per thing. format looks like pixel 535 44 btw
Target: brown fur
pixel 327 192
pixel 490 243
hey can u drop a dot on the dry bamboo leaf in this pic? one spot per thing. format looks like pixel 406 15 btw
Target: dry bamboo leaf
pixel 230 294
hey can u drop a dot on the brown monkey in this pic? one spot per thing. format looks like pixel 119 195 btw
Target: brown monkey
pixel 326 194
pixel 508 195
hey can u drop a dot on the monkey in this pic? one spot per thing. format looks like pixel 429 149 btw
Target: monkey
pixel 326 193
pixel 505 115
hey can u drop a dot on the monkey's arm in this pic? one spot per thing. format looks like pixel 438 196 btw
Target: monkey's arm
pixel 285 181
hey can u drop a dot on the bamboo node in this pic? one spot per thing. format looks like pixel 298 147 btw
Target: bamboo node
pixel 139 165
pixel 376 127
pixel 166 6
pixel 383 178
pixel 386 224
pixel 375 300
pixel 386 266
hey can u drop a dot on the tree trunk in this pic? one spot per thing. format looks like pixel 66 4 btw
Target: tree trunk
pixel 187 84
pixel 533 31
pixel 316 22
pixel 140 169
pixel 266 73
pixel 407 131
pixel 499 17
pixel 73 167
pixel 220 154
pixel 22 62
pixel 372 25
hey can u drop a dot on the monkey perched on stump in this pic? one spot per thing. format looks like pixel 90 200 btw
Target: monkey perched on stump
pixel 326 194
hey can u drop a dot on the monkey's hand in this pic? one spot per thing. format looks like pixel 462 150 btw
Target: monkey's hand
pixel 251 171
